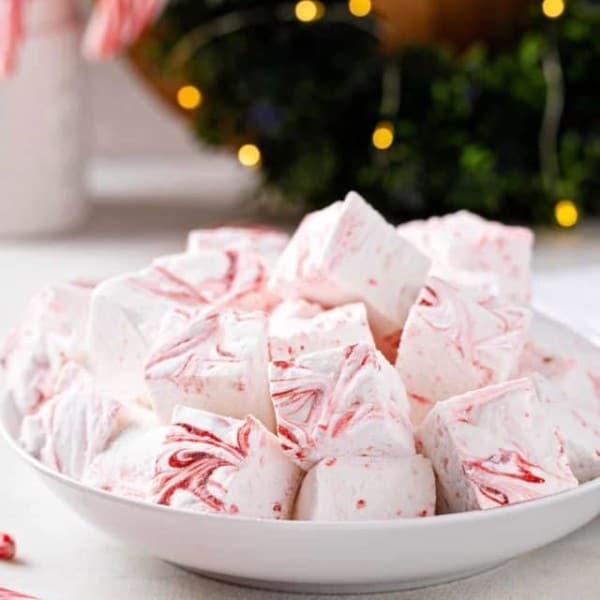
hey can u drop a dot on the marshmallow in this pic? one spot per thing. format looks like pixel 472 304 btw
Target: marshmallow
pixel 298 327
pixel 468 250
pixel 75 425
pixel 127 311
pixel 211 463
pixel 361 488
pixel 570 386
pixel 340 402
pixel 126 467
pixel 215 361
pixel 454 342
pixel 51 333
pixel 267 242
pixel 346 253
pixel 495 446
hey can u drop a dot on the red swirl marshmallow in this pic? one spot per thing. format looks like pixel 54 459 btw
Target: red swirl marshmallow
pixel 567 374
pixel 75 425
pixel 347 253
pixel 454 342
pixel 495 446
pixel 127 311
pixel 469 250
pixel 216 360
pixel 51 333
pixel 210 463
pixel 266 242
pixel 299 327
pixel 340 402
pixel 363 488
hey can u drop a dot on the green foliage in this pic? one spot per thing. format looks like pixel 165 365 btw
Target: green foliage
pixel 467 126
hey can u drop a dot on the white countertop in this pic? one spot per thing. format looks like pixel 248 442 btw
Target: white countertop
pixel 62 558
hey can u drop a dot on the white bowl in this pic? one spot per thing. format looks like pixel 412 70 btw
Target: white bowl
pixel 326 557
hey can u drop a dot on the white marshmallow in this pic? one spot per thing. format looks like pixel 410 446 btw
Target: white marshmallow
pixel 51 333
pixel 299 327
pixel 267 242
pixel 495 446
pixel 340 402
pixel 468 250
pixel 361 488
pixel 211 463
pixel 127 311
pixel 346 253
pixel 126 468
pixel 454 342
pixel 215 361
pixel 571 387
pixel 73 426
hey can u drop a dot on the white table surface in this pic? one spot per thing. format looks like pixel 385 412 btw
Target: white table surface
pixel 63 558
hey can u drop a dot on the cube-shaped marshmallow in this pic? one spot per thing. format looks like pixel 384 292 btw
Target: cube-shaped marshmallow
pixel 211 463
pixel 467 249
pixel 347 253
pixel 75 425
pixel 127 310
pixel 363 488
pixel 570 385
pixel 51 332
pixel 495 446
pixel 454 342
pixel 216 360
pixel 299 327
pixel 340 402
pixel 267 242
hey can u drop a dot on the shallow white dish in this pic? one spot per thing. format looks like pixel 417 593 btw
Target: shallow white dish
pixel 329 557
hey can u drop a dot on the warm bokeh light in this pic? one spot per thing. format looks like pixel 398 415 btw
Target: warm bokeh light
pixel 553 8
pixel 383 136
pixel 309 10
pixel 249 155
pixel 189 97
pixel 566 213
pixel 360 8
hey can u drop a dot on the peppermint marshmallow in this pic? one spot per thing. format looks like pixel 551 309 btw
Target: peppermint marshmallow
pixel 468 250
pixel 299 327
pixel 75 425
pixel 454 342
pixel 211 463
pixel 126 467
pixel 361 488
pixel 346 253
pixel 495 446
pixel 566 369
pixel 216 361
pixel 267 242
pixel 127 311
pixel 51 333
pixel 340 402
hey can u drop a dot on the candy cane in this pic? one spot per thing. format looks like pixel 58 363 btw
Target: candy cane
pixel 6 594
pixel 11 33
pixel 117 23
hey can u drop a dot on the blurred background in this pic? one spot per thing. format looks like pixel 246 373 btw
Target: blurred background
pixel 280 107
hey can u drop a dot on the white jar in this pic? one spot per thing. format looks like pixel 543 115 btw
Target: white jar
pixel 41 149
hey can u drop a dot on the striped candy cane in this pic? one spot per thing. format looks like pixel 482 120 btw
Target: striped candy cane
pixel 11 34
pixel 6 594
pixel 116 24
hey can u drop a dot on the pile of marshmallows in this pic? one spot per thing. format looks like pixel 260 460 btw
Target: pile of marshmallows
pixel 345 373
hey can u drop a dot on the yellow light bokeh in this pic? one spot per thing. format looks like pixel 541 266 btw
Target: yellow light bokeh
pixel 249 155
pixel 383 136
pixel 553 8
pixel 309 10
pixel 360 8
pixel 189 97
pixel 566 213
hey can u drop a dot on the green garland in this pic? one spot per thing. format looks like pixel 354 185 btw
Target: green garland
pixel 467 127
